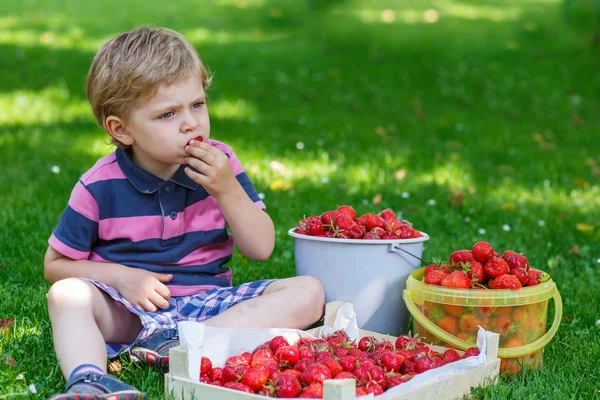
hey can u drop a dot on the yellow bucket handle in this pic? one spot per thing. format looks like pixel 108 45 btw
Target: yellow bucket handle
pixel 511 352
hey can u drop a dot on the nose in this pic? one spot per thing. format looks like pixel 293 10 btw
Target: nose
pixel 190 123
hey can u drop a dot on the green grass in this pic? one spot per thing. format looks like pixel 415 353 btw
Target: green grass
pixel 494 100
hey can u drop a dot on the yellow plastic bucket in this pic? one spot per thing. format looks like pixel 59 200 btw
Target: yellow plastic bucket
pixel 451 317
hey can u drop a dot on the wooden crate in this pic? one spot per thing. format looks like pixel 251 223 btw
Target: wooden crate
pixel 178 387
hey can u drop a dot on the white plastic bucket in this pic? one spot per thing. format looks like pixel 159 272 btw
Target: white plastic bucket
pixel 371 274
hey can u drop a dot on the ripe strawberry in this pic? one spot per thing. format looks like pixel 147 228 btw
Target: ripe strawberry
pixel 397 379
pixel 535 277
pixel 391 225
pixel 237 386
pixel 371 236
pixel 319 357
pixel 340 351
pixel 287 386
pixel 246 357
pixel 357 232
pixel 287 356
pixel 407 342
pixel 424 363
pixel 217 383
pixel 303 364
pixel 470 352
pixel 261 357
pixel 343 221
pixel 328 217
pixel 255 378
pixel 277 342
pixel 315 373
pixel 388 215
pixel 348 363
pixel 305 352
pixel 314 226
pixel 372 221
pixel 450 355
pixel 506 281
pixel 482 251
pixel 406 231
pixel 495 267
pixel 457 280
pixel 390 236
pixel 379 231
pixel 391 361
pixel 367 343
pixel 385 345
pixel 205 366
pixel 508 254
pixel 360 391
pixel 341 234
pixel 344 375
pixel 476 272
pixel 518 261
pixel 205 379
pixel 314 391
pixel 463 256
pixel 408 367
pixel 347 210
pixel 216 374
pixel 521 274
pixel 300 231
pixel 435 277
pixel 333 366
pixel 373 387
pixel 234 373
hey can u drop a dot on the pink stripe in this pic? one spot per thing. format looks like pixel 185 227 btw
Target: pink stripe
pixel 66 250
pixel 105 169
pixel 203 215
pixel 226 275
pixel 97 258
pixel 84 203
pixel 260 205
pixel 207 254
pixel 133 228
pixel 189 290
pixel 173 226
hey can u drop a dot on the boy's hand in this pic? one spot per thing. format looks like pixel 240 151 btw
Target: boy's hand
pixel 144 289
pixel 216 175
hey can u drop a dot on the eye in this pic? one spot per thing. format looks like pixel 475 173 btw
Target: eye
pixel 167 115
pixel 198 104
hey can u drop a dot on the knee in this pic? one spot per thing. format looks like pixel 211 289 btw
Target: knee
pixel 69 292
pixel 314 295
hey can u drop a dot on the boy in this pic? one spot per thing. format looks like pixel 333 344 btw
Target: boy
pixel 143 240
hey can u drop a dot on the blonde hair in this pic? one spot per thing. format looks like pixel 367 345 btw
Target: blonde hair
pixel 131 67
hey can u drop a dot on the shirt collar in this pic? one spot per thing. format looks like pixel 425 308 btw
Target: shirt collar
pixel 144 181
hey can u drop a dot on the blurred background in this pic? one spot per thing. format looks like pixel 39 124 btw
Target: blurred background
pixel 474 120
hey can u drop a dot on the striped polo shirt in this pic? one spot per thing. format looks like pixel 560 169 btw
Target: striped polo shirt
pixel 120 213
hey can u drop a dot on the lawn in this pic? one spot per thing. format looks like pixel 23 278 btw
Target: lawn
pixel 474 119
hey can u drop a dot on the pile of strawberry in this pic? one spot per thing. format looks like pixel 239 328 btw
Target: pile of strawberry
pixel 343 223
pixel 277 368
pixel 482 268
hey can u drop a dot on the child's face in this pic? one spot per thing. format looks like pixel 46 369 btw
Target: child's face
pixel 163 126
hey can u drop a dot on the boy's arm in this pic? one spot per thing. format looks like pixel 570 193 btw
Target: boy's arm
pixel 252 228
pixel 143 289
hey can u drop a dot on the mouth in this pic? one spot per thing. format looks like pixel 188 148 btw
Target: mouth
pixel 198 138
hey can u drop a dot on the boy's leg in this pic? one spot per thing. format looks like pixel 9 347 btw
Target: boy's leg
pixel 84 319
pixel 286 303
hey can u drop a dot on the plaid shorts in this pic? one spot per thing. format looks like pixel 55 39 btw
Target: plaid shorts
pixel 196 307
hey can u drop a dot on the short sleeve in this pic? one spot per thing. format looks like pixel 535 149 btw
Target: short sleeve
pixel 77 228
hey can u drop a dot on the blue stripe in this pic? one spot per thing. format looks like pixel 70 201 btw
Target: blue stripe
pixel 157 251
pixel 76 230
pixel 243 179
pixel 212 268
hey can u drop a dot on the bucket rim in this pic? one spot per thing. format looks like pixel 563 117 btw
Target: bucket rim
pixel 525 295
pixel 295 235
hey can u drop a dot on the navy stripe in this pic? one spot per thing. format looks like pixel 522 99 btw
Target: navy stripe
pixel 243 179
pixel 212 268
pixel 76 231
pixel 157 251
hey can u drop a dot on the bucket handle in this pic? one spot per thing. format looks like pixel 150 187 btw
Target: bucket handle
pixel 511 352
pixel 394 247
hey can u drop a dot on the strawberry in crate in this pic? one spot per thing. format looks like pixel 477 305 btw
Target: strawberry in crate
pixel 281 369
pixel 344 223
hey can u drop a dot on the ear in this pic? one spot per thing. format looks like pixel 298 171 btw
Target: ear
pixel 116 128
